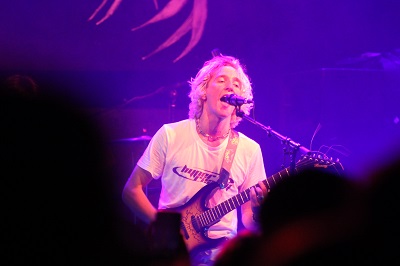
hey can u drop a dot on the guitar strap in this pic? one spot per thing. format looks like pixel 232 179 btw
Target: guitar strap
pixel 229 155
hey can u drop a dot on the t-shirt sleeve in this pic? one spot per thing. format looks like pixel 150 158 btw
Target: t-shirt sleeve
pixel 153 158
pixel 256 171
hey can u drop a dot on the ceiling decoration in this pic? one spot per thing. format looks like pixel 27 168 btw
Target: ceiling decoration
pixel 194 23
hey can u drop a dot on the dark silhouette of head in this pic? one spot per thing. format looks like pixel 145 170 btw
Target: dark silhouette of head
pixel 56 202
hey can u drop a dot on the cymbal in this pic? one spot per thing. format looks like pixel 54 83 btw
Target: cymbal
pixel 137 139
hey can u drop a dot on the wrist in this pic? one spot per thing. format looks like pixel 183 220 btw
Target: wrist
pixel 256 214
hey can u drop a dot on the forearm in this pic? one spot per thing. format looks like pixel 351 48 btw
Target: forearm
pixel 135 198
pixel 251 209
pixel 248 217
pixel 139 204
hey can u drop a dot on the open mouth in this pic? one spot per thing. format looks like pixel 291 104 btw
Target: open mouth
pixel 225 98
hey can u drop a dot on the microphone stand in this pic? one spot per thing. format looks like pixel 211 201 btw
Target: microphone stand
pixel 293 146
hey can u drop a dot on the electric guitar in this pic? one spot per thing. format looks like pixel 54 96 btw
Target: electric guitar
pixel 196 218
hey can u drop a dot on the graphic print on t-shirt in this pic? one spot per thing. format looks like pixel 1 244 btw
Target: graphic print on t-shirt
pixel 199 175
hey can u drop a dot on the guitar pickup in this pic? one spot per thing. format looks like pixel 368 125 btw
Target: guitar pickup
pixel 184 231
pixel 195 223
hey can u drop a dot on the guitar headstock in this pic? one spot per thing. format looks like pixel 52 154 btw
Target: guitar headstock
pixel 319 160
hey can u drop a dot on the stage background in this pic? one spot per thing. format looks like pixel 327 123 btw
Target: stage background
pixel 331 65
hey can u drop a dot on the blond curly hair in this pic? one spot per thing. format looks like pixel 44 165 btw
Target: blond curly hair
pixel 200 82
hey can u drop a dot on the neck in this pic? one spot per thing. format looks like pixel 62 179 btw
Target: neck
pixel 213 131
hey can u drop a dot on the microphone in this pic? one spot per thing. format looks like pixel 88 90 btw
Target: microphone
pixel 235 100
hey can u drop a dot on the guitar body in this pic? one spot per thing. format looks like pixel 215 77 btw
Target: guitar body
pixel 195 237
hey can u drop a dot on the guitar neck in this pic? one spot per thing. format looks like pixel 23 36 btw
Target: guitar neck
pixel 214 214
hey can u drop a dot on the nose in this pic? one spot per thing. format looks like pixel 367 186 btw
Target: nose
pixel 229 89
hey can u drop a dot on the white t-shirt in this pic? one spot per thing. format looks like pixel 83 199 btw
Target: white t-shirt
pixel 185 164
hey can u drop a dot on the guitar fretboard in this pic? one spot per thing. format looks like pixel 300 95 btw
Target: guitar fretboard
pixel 214 214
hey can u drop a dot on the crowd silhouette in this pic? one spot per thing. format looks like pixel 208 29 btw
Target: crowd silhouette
pixel 57 206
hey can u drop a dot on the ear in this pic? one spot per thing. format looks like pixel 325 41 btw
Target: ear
pixel 204 93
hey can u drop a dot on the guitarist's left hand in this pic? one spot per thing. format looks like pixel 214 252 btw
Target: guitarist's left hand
pixel 257 196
